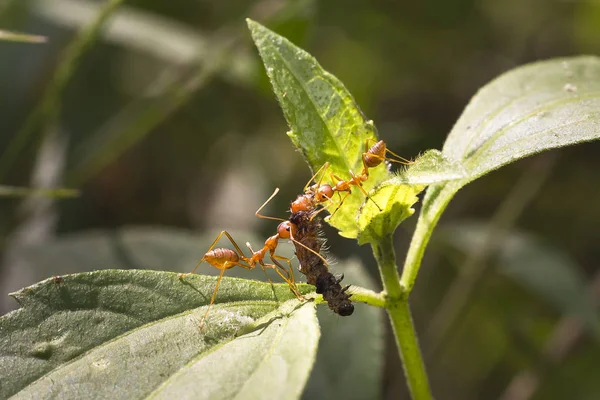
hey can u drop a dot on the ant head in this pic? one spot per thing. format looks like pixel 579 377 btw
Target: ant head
pixel 324 193
pixel 302 203
pixel 286 230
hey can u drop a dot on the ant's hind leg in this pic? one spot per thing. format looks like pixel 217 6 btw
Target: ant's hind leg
pixel 342 199
pixel 399 159
pixel 212 246
pixel 212 299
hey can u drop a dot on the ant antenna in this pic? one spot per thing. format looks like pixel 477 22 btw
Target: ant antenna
pixel 323 168
pixel 257 213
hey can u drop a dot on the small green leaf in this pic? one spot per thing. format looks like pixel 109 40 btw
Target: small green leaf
pixel 135 334
pixel 397 195
pixel 396 201
pixel 21 37
pixel 326 123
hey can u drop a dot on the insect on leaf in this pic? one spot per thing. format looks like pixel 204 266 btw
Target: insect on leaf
pixel 326 123
pixel 135 334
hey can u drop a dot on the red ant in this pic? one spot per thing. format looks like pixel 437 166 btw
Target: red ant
pixel 371 158
pixel 224 259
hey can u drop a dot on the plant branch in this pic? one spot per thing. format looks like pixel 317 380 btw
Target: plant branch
pixel 362 295
pixel 401 319
pixel 435 202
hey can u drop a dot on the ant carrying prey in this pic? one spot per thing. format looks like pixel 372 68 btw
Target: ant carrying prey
pixel 319 193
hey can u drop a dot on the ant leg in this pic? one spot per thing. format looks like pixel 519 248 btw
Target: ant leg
pixel 284 275
pixel 257 213
pixel 212 246
pixel 323 167
pixel 362 189
pixel 275 257
pixel 315 213
pixel 340 203
pixel 400 159
pixel 212 299
pixel 224 267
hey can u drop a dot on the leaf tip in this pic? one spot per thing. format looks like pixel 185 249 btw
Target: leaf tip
pixel 253 26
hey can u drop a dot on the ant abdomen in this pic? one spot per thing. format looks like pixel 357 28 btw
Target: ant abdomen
pixel 375 155
pixel 220 256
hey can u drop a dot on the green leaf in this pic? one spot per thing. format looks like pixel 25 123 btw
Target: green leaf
pixel 135 334
pixel 326 123
pixel 545 270
pixel 396 202
pixel 530 109
pixel 21 37
pixel 397 195
pixel 130 247
pixel 429 168
pixel 537 107
pixel 337 374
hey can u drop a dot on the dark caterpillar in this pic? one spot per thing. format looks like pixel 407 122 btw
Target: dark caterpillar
pixel 312 265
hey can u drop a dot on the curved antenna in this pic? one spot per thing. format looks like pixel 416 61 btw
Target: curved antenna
pixel 257 213
pixel 323 168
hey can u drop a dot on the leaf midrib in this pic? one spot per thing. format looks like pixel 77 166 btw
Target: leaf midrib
pixel 512 124
pixel 482 125
pixel 301 84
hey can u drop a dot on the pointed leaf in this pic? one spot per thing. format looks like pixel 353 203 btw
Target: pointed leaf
pixel 530 109
pixel 326 123
pixel 135 334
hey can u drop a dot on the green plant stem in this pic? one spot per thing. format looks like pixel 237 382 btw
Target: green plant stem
pixel 435 202
pixel 362 295
pixel 401 319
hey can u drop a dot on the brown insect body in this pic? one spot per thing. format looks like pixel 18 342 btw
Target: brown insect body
pixel 308 242
pixel 373 156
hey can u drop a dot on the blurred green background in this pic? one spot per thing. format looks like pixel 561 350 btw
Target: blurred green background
pixel 167 120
